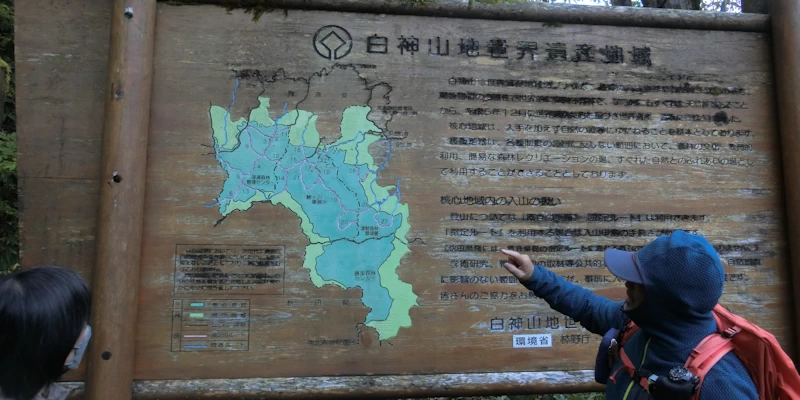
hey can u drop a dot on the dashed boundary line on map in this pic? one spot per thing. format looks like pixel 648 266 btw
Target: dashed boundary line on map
pixel 280 73
pixel 371 90
pixel 327 242
pixel 360 334
pixel 320 180
pixel 307 82
pixel 416 240
pixel 256 74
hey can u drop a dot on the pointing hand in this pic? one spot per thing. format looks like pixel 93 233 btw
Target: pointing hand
pixel 519 265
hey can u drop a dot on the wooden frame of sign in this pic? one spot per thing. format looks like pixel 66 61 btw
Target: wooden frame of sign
pixel 556 130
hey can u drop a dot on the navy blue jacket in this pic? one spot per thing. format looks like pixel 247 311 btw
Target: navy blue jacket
pixel 673 319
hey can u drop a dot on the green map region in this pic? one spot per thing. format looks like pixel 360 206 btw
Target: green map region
pixel 356 228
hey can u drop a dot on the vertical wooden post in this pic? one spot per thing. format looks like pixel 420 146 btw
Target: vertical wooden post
pixel 785 15
pixel 115 279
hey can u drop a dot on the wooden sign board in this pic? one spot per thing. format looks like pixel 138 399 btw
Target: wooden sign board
pixel 326 192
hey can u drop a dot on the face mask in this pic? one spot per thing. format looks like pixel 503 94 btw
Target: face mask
pixel 79 349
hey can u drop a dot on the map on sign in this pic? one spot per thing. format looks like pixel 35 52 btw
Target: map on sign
pixel 280 158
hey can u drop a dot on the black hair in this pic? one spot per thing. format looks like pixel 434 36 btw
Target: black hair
pixel 43 312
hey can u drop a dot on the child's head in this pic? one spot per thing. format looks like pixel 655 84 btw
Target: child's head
pixel 44 315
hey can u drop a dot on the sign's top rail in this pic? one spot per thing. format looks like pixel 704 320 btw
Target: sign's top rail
pixel 539 12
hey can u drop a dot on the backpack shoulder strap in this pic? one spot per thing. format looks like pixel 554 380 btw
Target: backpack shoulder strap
pixel 638 375
pixel 627 331
pixel 707 353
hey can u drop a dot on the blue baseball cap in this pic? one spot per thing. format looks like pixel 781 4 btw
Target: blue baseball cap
pixel 662 258
pixel 683 270
pixel 625 265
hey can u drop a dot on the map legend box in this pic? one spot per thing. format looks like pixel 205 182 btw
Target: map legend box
pixel 210 325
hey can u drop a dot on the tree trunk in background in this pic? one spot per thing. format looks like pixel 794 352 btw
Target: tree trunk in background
pixel 626 3
pixel 755 6
pixel 678 4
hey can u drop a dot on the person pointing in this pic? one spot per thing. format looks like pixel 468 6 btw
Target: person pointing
pixel 672 285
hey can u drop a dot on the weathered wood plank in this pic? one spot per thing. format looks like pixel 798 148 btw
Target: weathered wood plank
pixel 59 222
pixel 60 77
pixel 519 11
pixel 60 83
pixel 451 385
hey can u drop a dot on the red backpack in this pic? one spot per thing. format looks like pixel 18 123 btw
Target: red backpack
pixel 771 369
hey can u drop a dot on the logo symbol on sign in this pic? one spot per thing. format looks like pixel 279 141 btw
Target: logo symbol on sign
pixel 333 42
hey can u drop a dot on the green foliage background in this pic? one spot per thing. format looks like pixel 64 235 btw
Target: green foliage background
pixel 9 223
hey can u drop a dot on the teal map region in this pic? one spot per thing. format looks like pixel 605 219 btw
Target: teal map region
pixel 356 228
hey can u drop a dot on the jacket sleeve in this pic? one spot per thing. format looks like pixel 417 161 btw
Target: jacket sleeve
pixel 595 313
pixel 728 380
